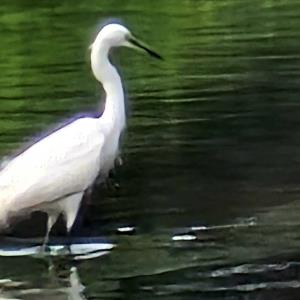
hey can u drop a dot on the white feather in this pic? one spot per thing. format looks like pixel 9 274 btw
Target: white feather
pixel 65 162
pixel 53 174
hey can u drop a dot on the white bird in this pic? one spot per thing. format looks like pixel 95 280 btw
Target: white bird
pixel 53 174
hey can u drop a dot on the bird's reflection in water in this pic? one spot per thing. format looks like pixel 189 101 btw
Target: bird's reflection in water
pixel 62 282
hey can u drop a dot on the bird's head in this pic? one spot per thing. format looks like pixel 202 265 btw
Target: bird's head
pixel 116 35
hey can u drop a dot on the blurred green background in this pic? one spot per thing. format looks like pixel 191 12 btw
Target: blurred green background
pixel 212 140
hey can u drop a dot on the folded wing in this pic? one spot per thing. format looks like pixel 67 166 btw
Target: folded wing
pixel 65 162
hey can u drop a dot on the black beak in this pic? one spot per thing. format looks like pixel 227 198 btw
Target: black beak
pixel 140 45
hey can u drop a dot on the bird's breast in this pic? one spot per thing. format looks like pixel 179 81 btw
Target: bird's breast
pixel 109 154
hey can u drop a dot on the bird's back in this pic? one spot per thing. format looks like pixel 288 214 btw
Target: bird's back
pixel 65 162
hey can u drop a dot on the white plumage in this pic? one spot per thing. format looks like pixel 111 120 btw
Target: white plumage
pixel 52 174
pixel 64 163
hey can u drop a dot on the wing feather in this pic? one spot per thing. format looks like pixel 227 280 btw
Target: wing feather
pixel 64 162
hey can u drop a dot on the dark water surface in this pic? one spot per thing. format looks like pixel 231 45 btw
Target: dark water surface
pixel 212 149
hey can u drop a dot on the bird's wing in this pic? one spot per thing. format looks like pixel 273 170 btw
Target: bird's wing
pixel 65 162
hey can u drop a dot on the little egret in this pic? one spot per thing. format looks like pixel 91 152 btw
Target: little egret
pixel 53 174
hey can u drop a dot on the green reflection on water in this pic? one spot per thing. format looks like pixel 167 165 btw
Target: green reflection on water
pixel 213 130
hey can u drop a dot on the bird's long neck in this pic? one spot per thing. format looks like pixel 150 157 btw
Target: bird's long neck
pixel 114 112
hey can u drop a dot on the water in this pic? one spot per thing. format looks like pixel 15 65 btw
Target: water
pixel 211 163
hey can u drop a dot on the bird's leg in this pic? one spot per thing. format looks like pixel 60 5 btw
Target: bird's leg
pixel 46 239
pixel 70 206
pixel 52 218
pixel 111 182
pixel 69 242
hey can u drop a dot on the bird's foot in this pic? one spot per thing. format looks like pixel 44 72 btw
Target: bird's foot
pixel 112 184
pixel 62 250
pixel 43 251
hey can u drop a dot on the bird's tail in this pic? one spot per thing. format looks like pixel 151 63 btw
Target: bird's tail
pixel 3 217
